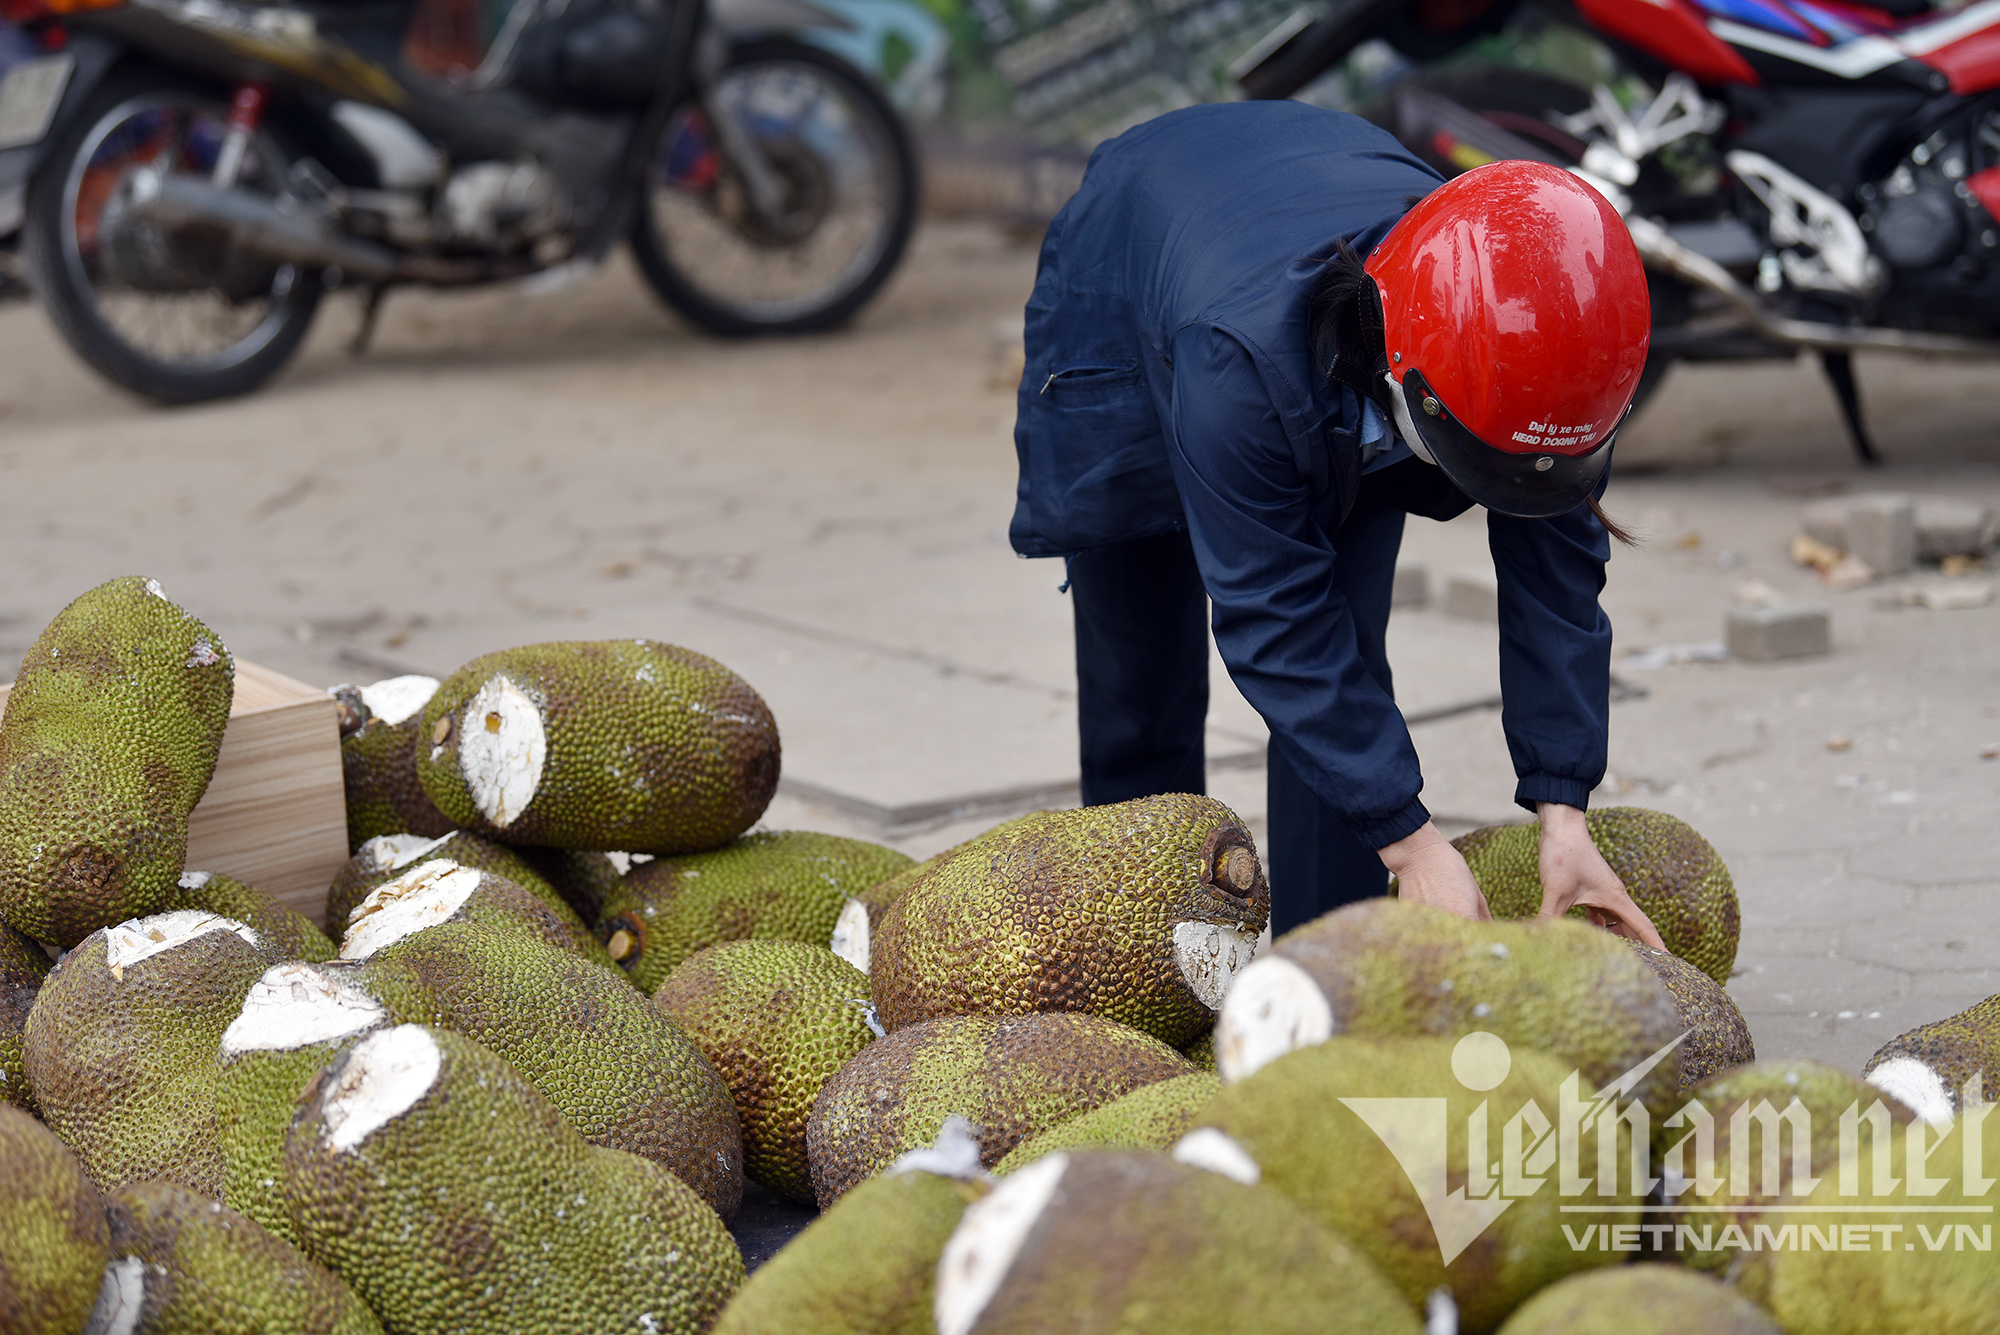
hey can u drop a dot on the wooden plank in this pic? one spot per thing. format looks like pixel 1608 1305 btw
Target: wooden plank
pixel 275 814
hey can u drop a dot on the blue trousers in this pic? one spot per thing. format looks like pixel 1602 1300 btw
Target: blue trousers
pixel 1142 699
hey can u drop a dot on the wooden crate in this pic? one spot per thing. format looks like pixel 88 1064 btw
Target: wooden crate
pixel 275 814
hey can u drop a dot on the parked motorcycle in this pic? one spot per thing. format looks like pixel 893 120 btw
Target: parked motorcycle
pixel 1818 174
pixel 187 178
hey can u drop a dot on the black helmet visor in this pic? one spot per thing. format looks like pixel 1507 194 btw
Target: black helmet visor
pixel 1526 486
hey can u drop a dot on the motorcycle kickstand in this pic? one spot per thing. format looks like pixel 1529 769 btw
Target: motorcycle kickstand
pixel 1839 368
pixel 371 307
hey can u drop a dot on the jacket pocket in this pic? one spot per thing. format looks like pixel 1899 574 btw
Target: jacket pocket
pixel 1075 381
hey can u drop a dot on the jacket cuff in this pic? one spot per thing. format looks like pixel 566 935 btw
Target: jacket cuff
pixel 1535 788
pixel 1379 834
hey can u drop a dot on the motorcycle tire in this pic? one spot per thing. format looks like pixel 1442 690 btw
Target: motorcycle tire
pixel 676 269
pixel 60 278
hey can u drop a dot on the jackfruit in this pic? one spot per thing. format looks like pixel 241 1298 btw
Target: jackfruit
pixel 1141 912
pixel 121 1045
pixel 187 1266
pixel 1929 1067
pixel 1924 1265
pixel 1671 872
pixel 1102 1241
pixel 777 1019
pixel 1151 1117
pixel 584 877
pixel 868 1266
pixel 861 917
pixel 1384 967
pixel 1202 1051
pixel 53 1237
pixel 378 767
pixel 451 1195
pixel 23 966
pixel 1317 1125
pixel 1011 1076
pixel 614 744
pixel 295 1020
pixel 1639 1300
pixel 108 741
pixel 439 891
pixel 284 931
pixel 387 857
pixel 625 1075
pixel 775 885
pixel 1732 1151
pixel 1718 1038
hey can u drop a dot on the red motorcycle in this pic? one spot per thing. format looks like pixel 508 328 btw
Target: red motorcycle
pixel 1816 174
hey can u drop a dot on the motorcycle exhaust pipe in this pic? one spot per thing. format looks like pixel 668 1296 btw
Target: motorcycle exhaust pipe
pixel 1661 251
pixel 174 201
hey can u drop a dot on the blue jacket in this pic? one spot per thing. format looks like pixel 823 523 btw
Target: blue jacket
pixel 1169 385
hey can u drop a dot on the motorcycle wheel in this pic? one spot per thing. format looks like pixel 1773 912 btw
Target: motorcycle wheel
pixel 175 319
pixel 849 179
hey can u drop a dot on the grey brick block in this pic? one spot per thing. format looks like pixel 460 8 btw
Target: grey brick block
pixel 1787 630
pixel 1882 531
pixel 1472 594
pixel 1952 528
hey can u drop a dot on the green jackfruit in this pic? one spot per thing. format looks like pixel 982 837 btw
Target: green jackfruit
pixel 1671 872
pixel 775 885
pixel 1304 1122
pixel 777 1019
pixel 1929 1067
pixel 1140 912
pixel 861 917
pixel 625 1075
pixel 1103 1241
pixel 1202 1051
pixel 438 891
pixel 1385 967
pixel 585 878
pixel 286 932
pixel 1011 1076
pixel 294 1022
pixel 387 857
pixel 1151 1117
pixel 441 1185
pixel 53 1237
pixel 613 744
pixel 23 966
pixel 188 1266
pixel 121 1045
pixel 108 741
pixel 1741 1113
pixel 378 766
pixel 1718 1036
pixel 1639 1300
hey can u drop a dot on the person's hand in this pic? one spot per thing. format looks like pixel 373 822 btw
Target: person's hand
pixel 1575 874
pixel 1430 871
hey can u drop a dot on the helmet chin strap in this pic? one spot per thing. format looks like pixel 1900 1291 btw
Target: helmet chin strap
pixel 1406 426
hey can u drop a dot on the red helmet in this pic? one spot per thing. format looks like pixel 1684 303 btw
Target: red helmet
pixel 1515 316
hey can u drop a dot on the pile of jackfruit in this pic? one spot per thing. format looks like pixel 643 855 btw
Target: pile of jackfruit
pixel 567 1000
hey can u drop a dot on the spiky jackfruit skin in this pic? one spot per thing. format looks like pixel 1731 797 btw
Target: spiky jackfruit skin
pixel 1718 1036
pixel 1202 1051
pixel 122 1061
pixel 380 863
pixel 1671 872
pixel 647 747
pixel 777 1019
pixel 1295 1119
pixel 1639 1300
pixel 499 903
pixel 584 877
pixel 477 1208
pixel 620 1069
pixel 774 885
pixel 54 1240
pixel 1151 1117
pixel 1825 1092
pixel 868 1266
pixel 1918 1285
pixel 23 966
pixel 211 1271
pixel 1093 910
pixel 1390 968
pixel 1134 1241
pixel 1954 1049
pixel 1011 1076
pixel 378 766
pixel 285 931
pixel 108 741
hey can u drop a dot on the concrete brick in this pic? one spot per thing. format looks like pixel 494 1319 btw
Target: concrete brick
pixel 1951 528
pixel 1788 630
pixel 1412 587
pixel 1472 594
pixel 1882 532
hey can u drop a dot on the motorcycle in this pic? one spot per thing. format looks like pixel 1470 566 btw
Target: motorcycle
pixel 1797 174
pixel 186 179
